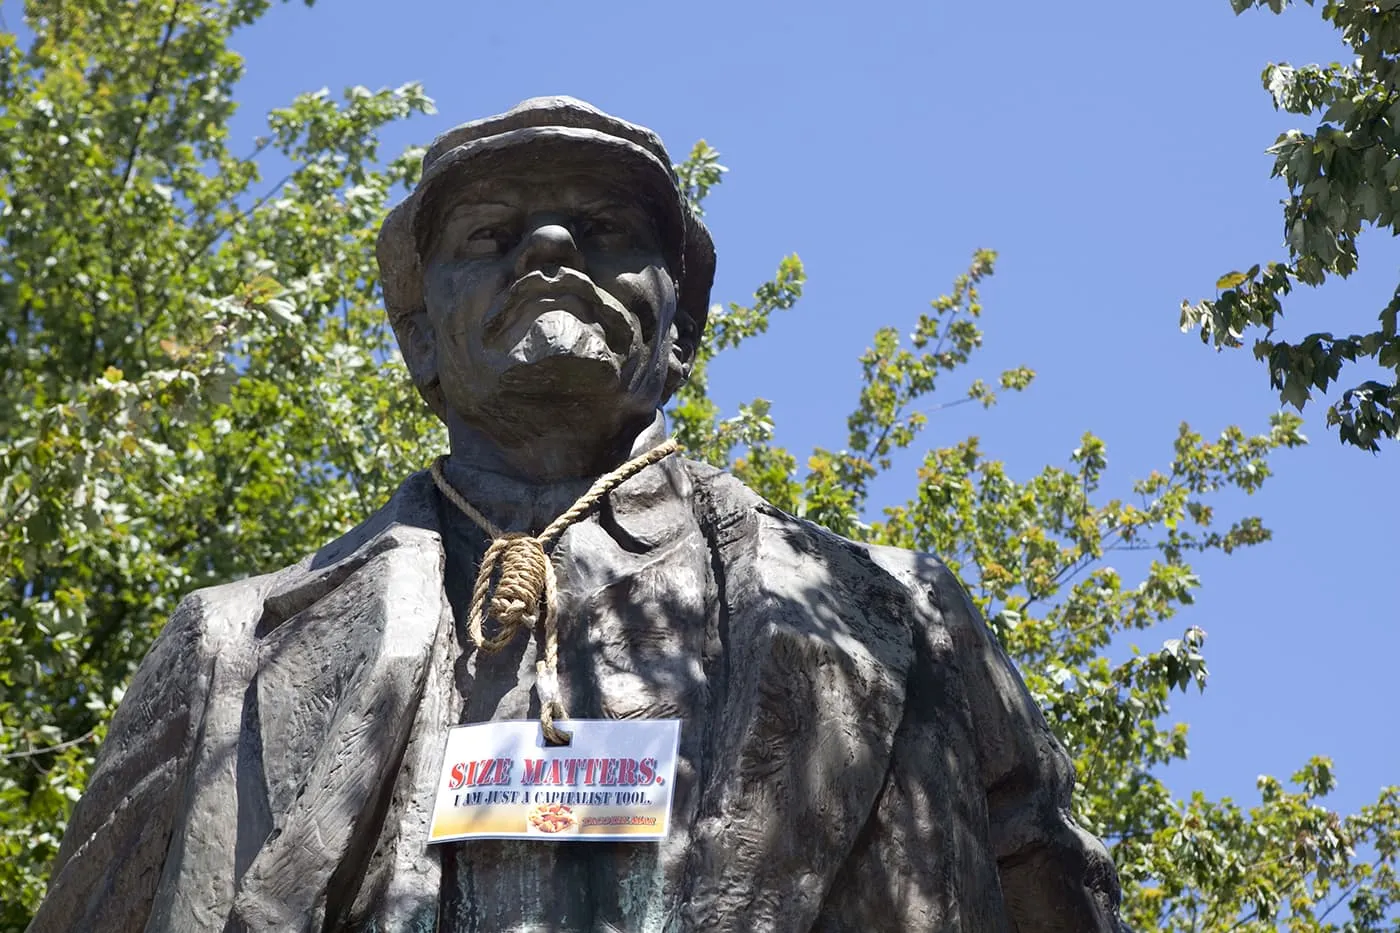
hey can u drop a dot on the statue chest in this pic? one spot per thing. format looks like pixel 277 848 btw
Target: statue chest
pixel 639 638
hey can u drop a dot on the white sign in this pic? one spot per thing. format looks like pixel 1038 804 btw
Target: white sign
pixel 500 780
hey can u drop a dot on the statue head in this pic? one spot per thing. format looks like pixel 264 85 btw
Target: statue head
pixel 547 266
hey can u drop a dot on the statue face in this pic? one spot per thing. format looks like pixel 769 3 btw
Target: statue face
pixel 547 292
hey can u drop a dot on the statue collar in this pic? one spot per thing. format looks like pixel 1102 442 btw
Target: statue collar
pixel 646 510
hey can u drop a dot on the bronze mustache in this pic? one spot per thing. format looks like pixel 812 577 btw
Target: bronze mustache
pixel 594 305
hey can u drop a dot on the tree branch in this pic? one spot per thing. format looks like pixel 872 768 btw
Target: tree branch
pixel 33 752
pixel 150 96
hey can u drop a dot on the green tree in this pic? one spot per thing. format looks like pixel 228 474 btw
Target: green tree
pixel 1342 177
pixel 198 382
pixel 197 378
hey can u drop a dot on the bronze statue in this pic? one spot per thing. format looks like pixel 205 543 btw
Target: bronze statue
pixel 856 752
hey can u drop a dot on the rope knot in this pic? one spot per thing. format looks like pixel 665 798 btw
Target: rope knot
pixel 520 587
pixel 515 583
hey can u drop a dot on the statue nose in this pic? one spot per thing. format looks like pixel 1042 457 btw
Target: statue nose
pixel 547 247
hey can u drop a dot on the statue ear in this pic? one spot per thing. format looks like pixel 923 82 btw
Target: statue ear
pixel 418 343
pixel 681 359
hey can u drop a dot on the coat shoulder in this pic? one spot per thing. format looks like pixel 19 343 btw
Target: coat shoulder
pixel 933 591
pixel 936 590
pixel 270 598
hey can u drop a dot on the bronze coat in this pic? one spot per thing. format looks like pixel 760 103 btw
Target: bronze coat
pixel 870 759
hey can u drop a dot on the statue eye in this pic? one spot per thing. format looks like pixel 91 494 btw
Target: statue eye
pixel 488 241
pixel 603 232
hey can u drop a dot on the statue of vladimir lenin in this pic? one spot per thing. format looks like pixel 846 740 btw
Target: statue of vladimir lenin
pixel 856 752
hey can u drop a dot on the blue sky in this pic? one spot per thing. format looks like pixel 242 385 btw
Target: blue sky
pixel 1113 153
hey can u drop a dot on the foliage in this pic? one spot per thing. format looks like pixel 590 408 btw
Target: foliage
pixel 198 383
pixel 197 378
pixel 1343 176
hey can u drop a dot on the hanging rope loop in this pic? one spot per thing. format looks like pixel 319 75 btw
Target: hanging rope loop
pixel 516 586
pixel 520 570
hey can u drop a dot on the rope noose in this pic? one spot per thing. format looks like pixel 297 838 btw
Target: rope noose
pixel 516 584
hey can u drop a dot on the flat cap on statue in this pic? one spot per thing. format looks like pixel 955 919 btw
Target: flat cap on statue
pixel 555 134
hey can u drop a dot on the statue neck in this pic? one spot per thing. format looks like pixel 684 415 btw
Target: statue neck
pixel 562 448
pixel 528 495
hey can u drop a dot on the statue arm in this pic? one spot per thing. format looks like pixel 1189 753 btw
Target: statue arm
pixel 1054 875
pixel 110 862
pixel 1008 858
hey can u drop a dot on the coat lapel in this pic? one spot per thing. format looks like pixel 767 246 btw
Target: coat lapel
pixel 813 690
pixel 343 653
